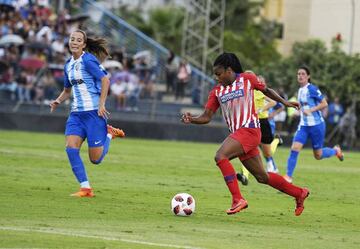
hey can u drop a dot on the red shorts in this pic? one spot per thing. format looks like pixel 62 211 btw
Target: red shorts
pixel 249 138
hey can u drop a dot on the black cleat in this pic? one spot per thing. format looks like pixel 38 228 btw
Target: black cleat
pixel 242 178
pixel 281 141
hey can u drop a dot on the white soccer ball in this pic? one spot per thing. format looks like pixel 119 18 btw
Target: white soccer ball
pixel 183 204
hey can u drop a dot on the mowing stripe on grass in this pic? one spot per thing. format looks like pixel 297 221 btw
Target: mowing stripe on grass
pixel 58 232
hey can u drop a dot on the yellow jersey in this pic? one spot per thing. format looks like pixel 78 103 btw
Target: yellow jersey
pixel 260 103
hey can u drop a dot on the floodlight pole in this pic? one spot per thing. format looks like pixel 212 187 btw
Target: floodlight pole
pixel 203 34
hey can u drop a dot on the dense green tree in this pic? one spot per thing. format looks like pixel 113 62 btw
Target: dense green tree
pixel 333 70
pixel 167 23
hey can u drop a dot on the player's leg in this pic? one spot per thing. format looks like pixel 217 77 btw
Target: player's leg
pixel 274 144
pixel 243 177
pixel 99 136
pixel 75 135
pixel 266 139
pixel 317 136
pixel 270 163
pixel 236 145
pixel 254 165
pixel 299 140
pixel 73 144
pixel 229 149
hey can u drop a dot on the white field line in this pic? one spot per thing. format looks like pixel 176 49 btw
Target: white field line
pixel 83 235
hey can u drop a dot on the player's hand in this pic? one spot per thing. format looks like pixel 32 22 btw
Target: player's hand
pixel 103 112
pixel 53 105
pixel 186 118
pixel 307 112
pixel 293 104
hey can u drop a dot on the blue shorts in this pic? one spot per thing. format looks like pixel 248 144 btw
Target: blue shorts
pixel 87 124
pixel 316 134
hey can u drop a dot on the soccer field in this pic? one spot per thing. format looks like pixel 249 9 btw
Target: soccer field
pixel 134 186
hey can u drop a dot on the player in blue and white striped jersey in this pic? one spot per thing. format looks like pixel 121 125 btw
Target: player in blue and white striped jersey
pixel 86 80
pixel 312 124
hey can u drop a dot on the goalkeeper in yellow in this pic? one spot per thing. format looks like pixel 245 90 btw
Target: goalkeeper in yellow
pixel 268 143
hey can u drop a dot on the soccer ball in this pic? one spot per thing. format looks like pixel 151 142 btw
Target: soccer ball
pixel 183 204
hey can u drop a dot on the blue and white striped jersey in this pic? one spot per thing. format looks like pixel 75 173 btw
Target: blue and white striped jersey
pixel 310 96
pixel 84 76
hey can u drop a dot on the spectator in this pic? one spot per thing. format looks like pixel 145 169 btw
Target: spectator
pixel 171 69
pixel 335 112
pixel 183 77
pixel 347 128
pixel 119 88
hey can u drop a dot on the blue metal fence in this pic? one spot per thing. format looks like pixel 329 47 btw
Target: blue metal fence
pixel 121 33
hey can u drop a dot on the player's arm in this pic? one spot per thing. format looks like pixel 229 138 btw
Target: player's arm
pixel 272 94
pixel 203 118
pixel 318 107
pixel 277 111
pixel 64 95
pixel 105 84
pixel 270 103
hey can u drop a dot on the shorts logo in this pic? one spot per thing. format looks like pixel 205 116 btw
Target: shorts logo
pixel 97 142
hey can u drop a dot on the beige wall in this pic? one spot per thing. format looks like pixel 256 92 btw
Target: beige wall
pixel 321 19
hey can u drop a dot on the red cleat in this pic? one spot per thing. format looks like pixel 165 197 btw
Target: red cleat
pixel 237 207
pixel 84 192
pixel 115 132
pixel 339 153
pixel 300 201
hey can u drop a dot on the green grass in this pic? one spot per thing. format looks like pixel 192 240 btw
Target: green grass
pixel 134 186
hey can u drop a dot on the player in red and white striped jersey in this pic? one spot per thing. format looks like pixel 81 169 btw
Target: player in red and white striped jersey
pixel 235 95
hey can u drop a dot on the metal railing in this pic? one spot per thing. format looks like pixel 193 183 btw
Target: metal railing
pixel 121 33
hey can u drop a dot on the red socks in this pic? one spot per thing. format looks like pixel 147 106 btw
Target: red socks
pixel 229 174
pixel 278 182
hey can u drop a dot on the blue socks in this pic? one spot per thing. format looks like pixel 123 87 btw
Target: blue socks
pixel 327 152
pixel 76 164
pixel 291 164
pixel 105 150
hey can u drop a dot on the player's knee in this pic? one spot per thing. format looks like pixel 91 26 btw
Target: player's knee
pixel 96 160
pixel 260 178
pixel 218 157
pixel 317 156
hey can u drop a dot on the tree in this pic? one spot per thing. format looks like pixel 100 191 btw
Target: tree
pixel 167 23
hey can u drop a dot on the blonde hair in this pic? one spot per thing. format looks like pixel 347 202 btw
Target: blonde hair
pixel 96 46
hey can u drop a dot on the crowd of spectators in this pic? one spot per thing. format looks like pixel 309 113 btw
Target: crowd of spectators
pixel 33 50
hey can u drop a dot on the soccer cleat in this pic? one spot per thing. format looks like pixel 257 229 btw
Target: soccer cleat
pixel 84 192
pixel 242 178
pixel 281 141
pixel 339 153
pixel 237 207
pixel 115 132
pixel 300 201
pixel 288 178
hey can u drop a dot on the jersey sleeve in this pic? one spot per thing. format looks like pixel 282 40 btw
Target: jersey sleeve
pixel 315 93
pixel 254 82
pixel 212 102
pixel 67 83
pixel 94 68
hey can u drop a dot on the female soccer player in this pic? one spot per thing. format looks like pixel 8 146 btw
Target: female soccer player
pixel 235 95
pixel 86 80
pixel 311 124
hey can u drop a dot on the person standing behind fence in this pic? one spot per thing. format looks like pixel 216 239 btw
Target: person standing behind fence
pixel 312 124
pixel 183 78
pixel 86 80
pixel 171 70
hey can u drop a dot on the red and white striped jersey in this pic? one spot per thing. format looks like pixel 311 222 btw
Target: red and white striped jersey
pixel 237 101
